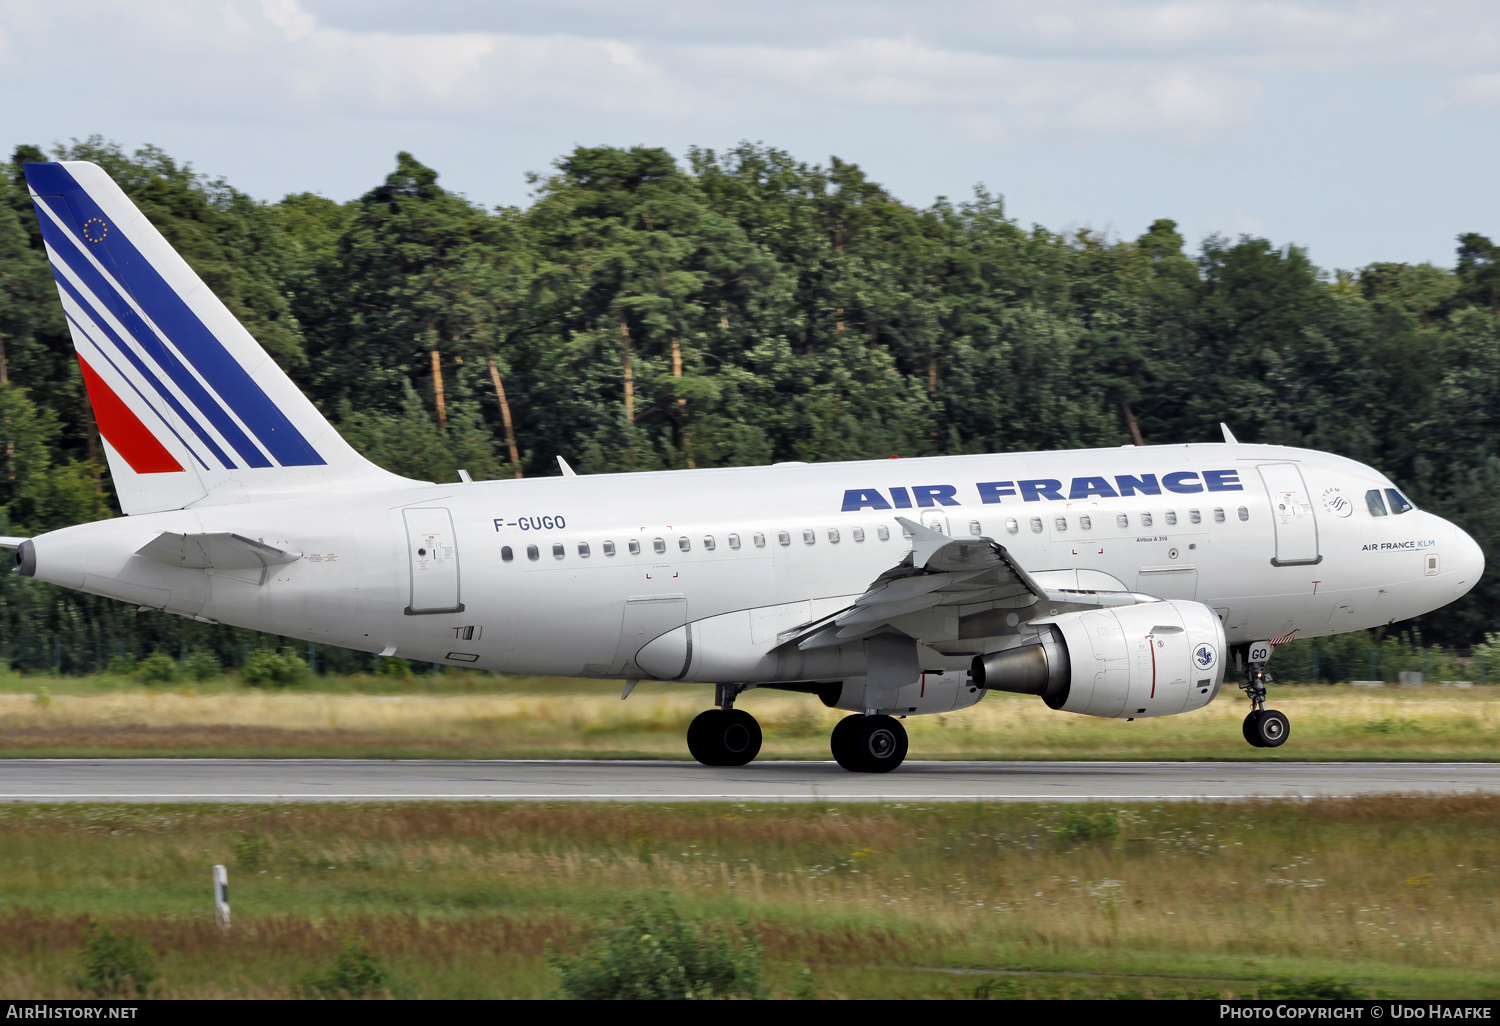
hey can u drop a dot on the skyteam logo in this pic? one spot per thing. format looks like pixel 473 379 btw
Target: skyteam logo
pixel 1204 657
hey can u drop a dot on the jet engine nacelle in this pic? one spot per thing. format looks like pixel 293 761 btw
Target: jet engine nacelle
pixel 1152 659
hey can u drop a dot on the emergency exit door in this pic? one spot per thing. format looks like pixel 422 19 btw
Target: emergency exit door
pixel 432 554
pixel 1292 513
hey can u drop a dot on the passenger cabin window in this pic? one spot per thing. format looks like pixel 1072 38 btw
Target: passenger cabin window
pixel 635 547
pixel 783 537
pixel 809 536
pixel 506 554
pixel 883 533
pixel 1085 523
pixel 1194 517
pixel 1122 520
pixel 859 534
pixel 1011 527
pixel 760 540
pixel 1376 503
pixel 532 552
pixel 1244 514
pixel 833 535
pixel 559 550
pixel 609 548
pixel 734 541
pixel 583 549
pixel 1146 520
pixel 1060 523
pixel 1036 525
pixel 1399 503
pixel 1171 518
pixel 709 543
pixel 1219 517
pixel 684 544
pixel 659 545
pixel 974 528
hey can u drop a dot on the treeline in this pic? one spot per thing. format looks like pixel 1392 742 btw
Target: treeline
pixel 742 307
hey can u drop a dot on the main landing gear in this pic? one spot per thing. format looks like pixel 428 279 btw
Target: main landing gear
pixel 725 736
pixel 869 744
pixel 1263 728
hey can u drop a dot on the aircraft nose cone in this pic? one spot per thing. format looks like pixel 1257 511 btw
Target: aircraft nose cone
pixel 1470 562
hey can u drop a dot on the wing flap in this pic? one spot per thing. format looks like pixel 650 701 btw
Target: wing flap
pixel 944 575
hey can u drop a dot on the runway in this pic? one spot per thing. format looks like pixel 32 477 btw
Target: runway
pixel 356 780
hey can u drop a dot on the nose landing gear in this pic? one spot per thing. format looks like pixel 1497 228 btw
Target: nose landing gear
pixel 1263 728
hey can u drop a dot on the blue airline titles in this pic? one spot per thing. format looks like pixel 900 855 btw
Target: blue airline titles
pixel 1185 482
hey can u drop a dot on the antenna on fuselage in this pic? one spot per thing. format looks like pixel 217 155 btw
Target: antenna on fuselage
pixel 1228 434
pixel 567 471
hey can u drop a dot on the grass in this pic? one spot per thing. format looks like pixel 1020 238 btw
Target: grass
pixel 490 717
pixel 1392 896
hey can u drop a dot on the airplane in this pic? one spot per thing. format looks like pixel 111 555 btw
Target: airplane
pixel 1119 582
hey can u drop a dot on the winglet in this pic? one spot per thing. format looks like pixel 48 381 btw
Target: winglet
pixel 567 471
pixel 1228 434
pixel 925 542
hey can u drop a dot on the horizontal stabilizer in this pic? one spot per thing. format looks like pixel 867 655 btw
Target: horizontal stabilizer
pixel 214 552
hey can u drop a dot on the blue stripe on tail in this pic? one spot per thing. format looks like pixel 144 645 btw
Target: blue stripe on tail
pixel 146 373
pixel 188 333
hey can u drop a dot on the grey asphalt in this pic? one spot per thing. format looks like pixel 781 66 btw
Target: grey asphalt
pixel 347 780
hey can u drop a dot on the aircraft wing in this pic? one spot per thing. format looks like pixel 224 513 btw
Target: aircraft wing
pixel 944 590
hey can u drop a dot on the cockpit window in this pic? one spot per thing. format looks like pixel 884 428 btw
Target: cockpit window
pixel 1375 502
pixel 1399 502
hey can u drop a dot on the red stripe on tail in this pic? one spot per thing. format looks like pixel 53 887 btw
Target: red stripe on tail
pixel 123 430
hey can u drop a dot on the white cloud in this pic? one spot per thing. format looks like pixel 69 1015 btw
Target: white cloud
pixel 289 16
pixel 1175 70
pixel 1474 92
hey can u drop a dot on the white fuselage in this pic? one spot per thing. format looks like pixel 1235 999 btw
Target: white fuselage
pixel 421 571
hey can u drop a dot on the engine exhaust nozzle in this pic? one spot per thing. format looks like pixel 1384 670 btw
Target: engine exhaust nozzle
pixel 1040 668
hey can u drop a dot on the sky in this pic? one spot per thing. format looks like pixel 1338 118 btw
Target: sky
pixel 1363 131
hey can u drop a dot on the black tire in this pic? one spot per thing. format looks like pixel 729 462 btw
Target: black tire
pixel 702 737
pixel 1251 729
pixel 719 738
pixel 842 743
pixel 740 738
pixel 882 743
pixel 1273 729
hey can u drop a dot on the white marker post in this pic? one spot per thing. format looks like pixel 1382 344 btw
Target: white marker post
pixel 221 897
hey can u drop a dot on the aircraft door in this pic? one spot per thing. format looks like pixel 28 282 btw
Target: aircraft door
pixel 1292 512
pixel 432 553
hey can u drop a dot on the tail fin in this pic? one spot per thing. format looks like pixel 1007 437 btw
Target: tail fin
pixel 191 408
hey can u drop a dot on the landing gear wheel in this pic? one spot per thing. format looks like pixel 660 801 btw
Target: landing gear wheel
pixel 1251 728
pixel 720 737
pixel 869 744
pixel 1267 728
pixel 841 742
